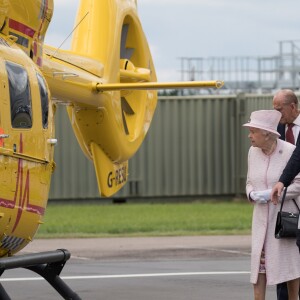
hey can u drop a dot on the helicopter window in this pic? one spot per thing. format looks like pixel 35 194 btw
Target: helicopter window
pixel 20 96
pixel 44 99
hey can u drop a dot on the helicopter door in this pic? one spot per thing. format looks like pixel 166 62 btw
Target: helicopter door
pixel 30 131
pixel 47 118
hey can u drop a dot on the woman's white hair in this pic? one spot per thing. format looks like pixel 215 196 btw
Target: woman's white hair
pixel 270 135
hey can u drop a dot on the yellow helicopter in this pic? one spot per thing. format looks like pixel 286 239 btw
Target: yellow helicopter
pixel 107 82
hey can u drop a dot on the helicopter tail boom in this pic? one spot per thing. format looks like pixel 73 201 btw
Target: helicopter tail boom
pixel 109 81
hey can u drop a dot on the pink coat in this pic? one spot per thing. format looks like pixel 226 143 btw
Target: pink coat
pixel 282 258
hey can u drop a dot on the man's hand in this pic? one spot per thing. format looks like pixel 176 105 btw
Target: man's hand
pixel 276 192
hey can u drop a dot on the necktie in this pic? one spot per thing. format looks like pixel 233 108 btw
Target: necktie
pixel 289 136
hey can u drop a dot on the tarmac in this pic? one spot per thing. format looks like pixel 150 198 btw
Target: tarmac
pixel 133 268
pixel 126 247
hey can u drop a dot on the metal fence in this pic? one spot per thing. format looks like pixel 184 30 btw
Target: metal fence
pixel 196 146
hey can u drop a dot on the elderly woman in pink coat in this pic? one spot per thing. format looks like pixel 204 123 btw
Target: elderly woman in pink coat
pixel 272 261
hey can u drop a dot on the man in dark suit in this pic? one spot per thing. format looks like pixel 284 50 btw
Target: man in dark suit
pixel 286 102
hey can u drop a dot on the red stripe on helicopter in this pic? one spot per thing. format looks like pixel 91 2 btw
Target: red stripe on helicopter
pixel 35 209
pixel 13 24
pixel 10 204
pixel 7 203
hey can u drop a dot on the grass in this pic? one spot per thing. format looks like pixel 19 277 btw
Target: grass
pixel 99 220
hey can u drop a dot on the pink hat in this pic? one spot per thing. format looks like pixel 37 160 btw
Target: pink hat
pixel 265 119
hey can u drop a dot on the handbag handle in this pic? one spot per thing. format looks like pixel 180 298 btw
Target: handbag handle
pixel 283 197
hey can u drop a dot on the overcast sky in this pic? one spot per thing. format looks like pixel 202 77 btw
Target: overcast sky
pixel 200 28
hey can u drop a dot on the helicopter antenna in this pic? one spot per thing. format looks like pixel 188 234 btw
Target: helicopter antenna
pixel 69 35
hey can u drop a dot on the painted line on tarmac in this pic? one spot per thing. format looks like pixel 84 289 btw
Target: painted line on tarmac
pixel 129 276
pixel 228 251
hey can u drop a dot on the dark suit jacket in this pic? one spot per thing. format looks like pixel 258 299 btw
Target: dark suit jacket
pixel 293 166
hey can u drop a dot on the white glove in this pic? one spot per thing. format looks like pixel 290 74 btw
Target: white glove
pixel 261 197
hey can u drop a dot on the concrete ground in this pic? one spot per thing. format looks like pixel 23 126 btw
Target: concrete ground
pixel 104 248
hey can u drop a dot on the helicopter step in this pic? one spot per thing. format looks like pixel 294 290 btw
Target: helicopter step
pixel 46 264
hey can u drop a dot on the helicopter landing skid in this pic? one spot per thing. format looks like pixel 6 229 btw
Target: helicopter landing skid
pixel 46 264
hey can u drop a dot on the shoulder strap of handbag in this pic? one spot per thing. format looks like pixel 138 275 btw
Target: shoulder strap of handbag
pixel 296 205
pixel 283 198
